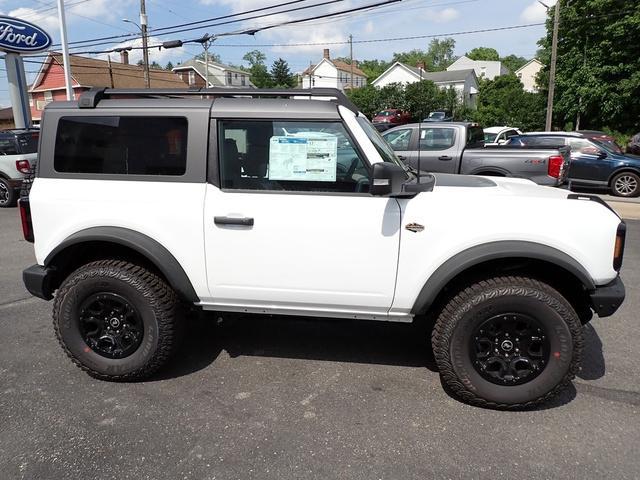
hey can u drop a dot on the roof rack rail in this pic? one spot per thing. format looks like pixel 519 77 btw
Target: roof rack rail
pixel 91 98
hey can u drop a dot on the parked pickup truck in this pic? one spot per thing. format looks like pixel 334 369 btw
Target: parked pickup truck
pixel 458 147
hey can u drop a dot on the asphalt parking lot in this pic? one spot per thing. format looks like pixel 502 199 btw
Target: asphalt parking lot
pixel 278 399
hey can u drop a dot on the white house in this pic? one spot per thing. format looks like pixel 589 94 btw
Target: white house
pixel 333 74
pixel 483 68
pixel 464 82
pixel 527 74
pixel 193 73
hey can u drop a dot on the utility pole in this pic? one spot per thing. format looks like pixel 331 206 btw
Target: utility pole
pixel 145 50
pixel 552 68
pixel 351 57
pixel 65 50
pixel 110 70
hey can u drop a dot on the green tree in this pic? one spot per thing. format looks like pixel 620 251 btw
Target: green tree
pixel 422 98
pixel 513 62
pixel 281 74
pixel 483 53
pixel 168 66
pixel 598 66
pixel 503 101
pixel 366 99
pixel 213 57
pixel 437 57
pixel 259 74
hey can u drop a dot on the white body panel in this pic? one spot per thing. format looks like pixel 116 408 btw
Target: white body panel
pixel 458 218
pixel 305 252
pixel 168 212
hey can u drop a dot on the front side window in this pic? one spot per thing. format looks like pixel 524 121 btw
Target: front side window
pixel 437 138
pixel 399 139
pixel 291 156
pixel 121 145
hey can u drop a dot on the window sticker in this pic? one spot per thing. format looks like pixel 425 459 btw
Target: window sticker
pixel 312 157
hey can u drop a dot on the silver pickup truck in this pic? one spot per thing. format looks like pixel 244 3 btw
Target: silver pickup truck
pixel 458 147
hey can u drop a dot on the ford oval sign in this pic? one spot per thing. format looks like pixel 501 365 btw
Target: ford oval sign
pixel 20 37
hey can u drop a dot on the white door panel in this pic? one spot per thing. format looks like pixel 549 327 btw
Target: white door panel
pixel 303 251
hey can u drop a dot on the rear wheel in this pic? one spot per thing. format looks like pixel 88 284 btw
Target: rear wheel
pixel 507 342
pixel 8 196
pixel 116 320
pixel 626 184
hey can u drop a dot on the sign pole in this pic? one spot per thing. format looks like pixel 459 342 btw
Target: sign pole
pixel 18 90
pixel 65 49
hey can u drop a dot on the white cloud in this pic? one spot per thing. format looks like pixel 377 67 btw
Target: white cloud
pixel 443 16
pixel 536 12
pixel 47 20
pixel 369 28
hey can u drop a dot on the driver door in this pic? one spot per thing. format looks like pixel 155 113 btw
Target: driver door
pixel 291 227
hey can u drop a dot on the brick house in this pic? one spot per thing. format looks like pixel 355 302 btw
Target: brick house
pixel 86 72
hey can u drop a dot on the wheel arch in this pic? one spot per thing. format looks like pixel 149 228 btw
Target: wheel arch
pixel 620 170
pixel 491 171
pixel 543 262
pixel 108 242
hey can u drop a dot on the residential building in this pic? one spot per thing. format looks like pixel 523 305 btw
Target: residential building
pixel 49 84
pixel 464 82
pixel 331 73
pixel 487 69
pixel 6 118
pixel 528 73
pixel 193 73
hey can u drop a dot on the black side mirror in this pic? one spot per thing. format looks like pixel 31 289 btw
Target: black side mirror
pixel 601 154
pixel 387 179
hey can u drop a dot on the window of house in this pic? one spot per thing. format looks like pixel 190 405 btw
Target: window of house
pixel 243 80
pixel 192 77
pixel 30 100
pixel 228 78
pixel 121 145
pixel 303 156
pixel 48 96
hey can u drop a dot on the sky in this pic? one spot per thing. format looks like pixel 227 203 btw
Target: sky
pixel 88 19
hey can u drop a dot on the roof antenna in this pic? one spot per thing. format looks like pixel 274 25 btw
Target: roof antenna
pixel 419 121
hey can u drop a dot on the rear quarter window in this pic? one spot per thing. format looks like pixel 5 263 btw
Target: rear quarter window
pixel 121 145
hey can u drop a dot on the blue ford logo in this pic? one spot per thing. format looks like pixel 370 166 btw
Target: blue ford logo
pixel 19 36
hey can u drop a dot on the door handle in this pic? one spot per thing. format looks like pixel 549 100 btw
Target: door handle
pixel 243 221
pixel 402 157
pixel 444 157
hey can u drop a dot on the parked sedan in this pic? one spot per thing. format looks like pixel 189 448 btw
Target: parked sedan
pixel 594 163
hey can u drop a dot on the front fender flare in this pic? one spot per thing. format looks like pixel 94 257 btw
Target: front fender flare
pixel 493 251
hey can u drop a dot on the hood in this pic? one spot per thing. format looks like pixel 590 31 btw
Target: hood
pixel 496 186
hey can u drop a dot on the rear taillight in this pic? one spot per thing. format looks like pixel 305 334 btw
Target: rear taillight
pixel 23 166
pixel 618 249
pixel 25 217
pixel 556 165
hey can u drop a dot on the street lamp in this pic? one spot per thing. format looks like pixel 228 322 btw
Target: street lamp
pixel 145 53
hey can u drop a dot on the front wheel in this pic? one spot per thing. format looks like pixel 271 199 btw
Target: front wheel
pixel 626 184
pixel 116 320
pixel 507 342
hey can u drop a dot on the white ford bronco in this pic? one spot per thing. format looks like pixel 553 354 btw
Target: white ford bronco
pixel 289 202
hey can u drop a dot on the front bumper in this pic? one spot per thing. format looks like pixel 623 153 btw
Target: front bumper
pixel 606 299
pixel 37 279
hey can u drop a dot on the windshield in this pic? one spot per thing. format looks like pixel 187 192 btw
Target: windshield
pixel 436 115
pixel 381 145
pixel 386 113
pixel 606 146
pixel 490 137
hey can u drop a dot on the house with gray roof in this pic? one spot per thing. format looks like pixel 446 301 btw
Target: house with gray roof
pixel 464 82
pixel 193 73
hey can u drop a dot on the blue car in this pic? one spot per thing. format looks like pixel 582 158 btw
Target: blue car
pixel 594 164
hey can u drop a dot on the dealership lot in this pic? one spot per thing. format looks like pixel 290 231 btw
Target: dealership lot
pixel 284 398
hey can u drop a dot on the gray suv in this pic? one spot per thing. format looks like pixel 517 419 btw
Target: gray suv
pixel 18 151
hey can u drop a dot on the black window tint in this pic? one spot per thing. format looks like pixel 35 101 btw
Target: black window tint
pixel 28 142
pixel 122 145
pixel 475 136
pixel 294 156
pixel 8 145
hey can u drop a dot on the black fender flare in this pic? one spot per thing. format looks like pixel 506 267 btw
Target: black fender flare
pixel 493 251
pixel 146 246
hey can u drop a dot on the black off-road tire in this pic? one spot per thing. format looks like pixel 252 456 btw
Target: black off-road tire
pixel 468 309
pixel 8 195
pixel 153 299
